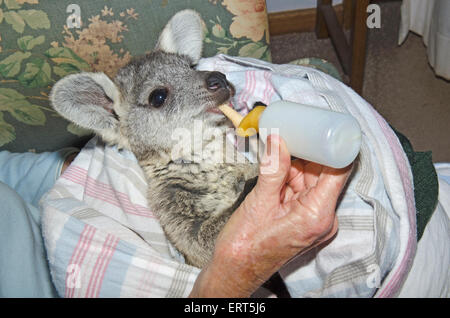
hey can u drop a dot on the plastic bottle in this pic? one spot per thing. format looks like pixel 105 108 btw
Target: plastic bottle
pixel 311 133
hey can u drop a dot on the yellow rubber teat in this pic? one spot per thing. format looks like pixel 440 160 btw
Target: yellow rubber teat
pixel 249 124
pixel 245 126
pixel 231 114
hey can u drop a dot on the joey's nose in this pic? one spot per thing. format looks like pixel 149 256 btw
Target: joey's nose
pixel 216 81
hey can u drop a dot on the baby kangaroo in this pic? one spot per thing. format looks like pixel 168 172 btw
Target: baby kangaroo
pixel 148 102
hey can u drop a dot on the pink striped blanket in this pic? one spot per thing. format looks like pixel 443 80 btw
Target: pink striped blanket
pixel 103 241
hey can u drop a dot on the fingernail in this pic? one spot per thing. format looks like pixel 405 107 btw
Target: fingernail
pixel 271 158
pixel 273 143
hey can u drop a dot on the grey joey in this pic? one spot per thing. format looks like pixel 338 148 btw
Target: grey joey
pixel 141 108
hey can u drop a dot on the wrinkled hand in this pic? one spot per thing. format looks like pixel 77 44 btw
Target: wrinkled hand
pixel 290 210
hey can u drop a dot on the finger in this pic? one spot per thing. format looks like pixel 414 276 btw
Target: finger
pixel 312 173
pixel 304 174
pixel 287 194
pixel 274 168
pixel 296 175
pixel 328 188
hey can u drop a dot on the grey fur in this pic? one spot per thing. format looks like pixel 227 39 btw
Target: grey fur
pixel 192 199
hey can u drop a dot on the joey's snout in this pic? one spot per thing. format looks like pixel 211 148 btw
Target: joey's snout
pixel 216 81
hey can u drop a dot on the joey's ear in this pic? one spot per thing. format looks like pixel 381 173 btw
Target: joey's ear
pixel 89 100
pixel 183 34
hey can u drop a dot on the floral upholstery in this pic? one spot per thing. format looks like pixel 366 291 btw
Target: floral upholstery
pixel 42 41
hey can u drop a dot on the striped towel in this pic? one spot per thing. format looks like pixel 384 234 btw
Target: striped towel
pixel 103 241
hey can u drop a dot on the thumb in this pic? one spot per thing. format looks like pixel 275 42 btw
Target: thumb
pixel 273 169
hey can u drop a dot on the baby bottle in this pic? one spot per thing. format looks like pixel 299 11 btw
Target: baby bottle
pixel 311 133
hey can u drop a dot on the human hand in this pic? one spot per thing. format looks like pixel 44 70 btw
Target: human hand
pixel 290 210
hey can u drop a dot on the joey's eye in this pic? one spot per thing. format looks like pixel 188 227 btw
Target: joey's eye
pixel 158 97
